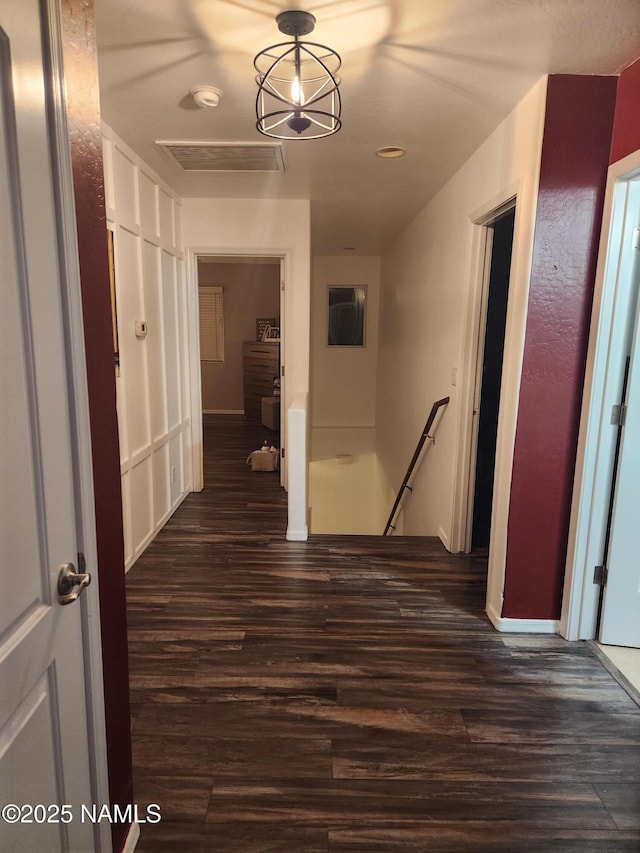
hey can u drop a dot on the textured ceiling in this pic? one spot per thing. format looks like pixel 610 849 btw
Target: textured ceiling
pixel 434 76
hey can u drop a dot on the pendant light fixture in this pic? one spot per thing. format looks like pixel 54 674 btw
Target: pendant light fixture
pixel 298 95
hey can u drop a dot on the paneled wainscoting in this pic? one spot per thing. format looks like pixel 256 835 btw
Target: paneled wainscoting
pixel 348 694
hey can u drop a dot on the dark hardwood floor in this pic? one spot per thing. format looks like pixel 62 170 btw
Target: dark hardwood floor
pixel 349 694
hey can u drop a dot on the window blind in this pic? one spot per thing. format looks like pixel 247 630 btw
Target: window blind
pixel 211 324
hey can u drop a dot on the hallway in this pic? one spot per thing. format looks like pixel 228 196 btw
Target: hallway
pixel 349 694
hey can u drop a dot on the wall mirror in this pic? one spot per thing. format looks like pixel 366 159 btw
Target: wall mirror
pixel 346 316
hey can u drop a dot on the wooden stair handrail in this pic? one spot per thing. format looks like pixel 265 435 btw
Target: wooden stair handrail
pixel 425 435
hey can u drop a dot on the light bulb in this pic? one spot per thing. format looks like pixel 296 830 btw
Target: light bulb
pixel 297 95
pixel 296 92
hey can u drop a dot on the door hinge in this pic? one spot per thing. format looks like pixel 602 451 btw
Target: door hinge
pixel 282 370
pixel 600 574
pixel 618 414
pixel 282 452
pixel 282 285
pixel 636 238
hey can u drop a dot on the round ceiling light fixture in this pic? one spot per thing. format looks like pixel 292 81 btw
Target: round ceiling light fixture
pixel 391 152
pixel 206 96
pixel 298 95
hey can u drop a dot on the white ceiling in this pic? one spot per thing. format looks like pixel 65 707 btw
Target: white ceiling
pixel 434 76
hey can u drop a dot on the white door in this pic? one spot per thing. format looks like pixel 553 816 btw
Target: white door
pixel 44 751
pixel 620 622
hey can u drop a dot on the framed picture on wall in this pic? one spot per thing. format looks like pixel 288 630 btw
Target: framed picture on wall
pixel 262 324
pixel 346 316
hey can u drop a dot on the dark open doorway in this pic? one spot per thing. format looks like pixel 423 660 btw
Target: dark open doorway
pixel 502 242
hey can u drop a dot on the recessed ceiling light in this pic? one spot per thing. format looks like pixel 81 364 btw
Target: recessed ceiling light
pixel 391 152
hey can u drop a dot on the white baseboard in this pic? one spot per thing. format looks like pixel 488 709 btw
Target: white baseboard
pixel 132 838
pixel 522 626
pixel 158 527
pixel 297 535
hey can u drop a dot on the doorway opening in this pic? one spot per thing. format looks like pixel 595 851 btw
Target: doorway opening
pixel 489 375
pixel 241 330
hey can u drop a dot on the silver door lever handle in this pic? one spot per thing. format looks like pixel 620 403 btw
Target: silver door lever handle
pixel 71 583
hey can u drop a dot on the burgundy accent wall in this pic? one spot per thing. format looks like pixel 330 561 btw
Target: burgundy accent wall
pixel 83 111
pixel 626 125
pixel 575 157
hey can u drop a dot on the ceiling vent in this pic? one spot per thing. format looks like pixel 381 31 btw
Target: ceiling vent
pixel 225 156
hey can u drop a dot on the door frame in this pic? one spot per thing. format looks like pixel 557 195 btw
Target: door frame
pixel 485 239
pixel 486 247
pixel 470 365
pixel 596 443
pixel 193 331
pixel 80 424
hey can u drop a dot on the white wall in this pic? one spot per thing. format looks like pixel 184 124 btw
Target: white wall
pixel 429 304
pixel 343 405
pixel 262 227
pixel 265 227
pixel 152 388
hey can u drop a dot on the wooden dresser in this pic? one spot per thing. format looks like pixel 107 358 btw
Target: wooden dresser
pixel 261 365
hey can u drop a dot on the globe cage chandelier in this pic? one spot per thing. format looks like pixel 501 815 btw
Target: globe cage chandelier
pixel 298 95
